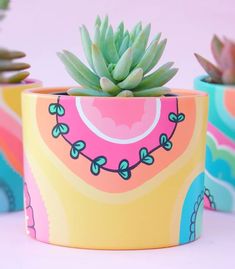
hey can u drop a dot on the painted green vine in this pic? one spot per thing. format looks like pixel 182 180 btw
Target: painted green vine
pixel 97 164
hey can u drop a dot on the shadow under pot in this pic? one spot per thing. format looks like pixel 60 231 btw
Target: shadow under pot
pixel 11 163
pixel 220 153
pixel 112 172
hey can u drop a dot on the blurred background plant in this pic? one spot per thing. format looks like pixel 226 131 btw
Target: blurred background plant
pixel 10 71
pixel 224 55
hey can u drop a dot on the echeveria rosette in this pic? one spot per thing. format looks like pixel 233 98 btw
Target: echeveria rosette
pixel 7 65
pixel 14 69
pixel 119 62
pixel 224 54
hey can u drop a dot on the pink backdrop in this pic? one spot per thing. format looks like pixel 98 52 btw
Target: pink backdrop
pixel 42 27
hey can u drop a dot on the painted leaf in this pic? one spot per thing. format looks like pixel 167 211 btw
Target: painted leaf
pixel 176 118
pixel 124 170
pixel 64 129
pixel 53 108
pixel 165 143
pixel 143 153
pixel 100 160
pixel 148 160
pixel 56 131
pixel 168 145
pixel 163 139
pixel 95 169
pixel 76 148
pixel 145 157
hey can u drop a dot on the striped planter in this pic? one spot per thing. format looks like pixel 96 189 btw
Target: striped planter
pixel 220 156
pixel 11 167
pixel 114 173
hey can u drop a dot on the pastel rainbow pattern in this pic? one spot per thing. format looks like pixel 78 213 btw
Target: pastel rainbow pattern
pixel 220 154
pixel 100 179
pixel 11 165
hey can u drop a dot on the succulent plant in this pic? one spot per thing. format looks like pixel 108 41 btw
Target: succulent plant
pixel 119 62
pixel 224 54
pixel 7 65
pixel 7 57
pixel 4 4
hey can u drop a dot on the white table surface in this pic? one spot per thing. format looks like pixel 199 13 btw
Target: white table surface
pixel 216 249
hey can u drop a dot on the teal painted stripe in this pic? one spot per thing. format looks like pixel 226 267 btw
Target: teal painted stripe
pixel 11 185
pixel 217 116
pixel 191 216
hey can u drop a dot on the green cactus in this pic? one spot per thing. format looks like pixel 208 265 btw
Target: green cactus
pixel 119 62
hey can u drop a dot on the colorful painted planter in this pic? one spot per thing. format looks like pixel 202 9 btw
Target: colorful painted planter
pixel 11 167
pixel 220 156
pixel 114 173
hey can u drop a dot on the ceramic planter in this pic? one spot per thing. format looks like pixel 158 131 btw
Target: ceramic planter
pixel 11 167
pixel 220 156
pixel 114 173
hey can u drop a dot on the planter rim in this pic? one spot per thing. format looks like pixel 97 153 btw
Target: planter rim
pixel 27 82
pixel 200 82
pixel 48 91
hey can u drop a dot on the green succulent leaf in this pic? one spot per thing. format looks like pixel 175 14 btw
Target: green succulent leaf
pixel 125 93
pixel 108 86
pixel 135 32
pixel 75 73
pixel 10 66
pixel 86 92
pixel 157 55
pixel 11 55
pixel 16 78
pixel 124 45
pixel 76 148
pixel 146 61
pixel 140 44
pixel 82 69
pixel 123 66
pixel 159 77
pixel 124 170
pixel 110 52
pixel 119 35
pixel 133 80
pixel 86 43
pixel 97 36
pixel 98 21
pixel 60 129
pixel 99 63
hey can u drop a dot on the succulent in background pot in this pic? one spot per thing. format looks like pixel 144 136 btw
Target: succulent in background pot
pixel 220 156
pixel 120 165
pixel 12 82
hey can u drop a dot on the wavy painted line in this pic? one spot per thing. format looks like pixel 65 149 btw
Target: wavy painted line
pixel 227 186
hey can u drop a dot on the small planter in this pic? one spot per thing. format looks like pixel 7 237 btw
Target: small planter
pixel 112 172
pixel 11 167
pixel 220 160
